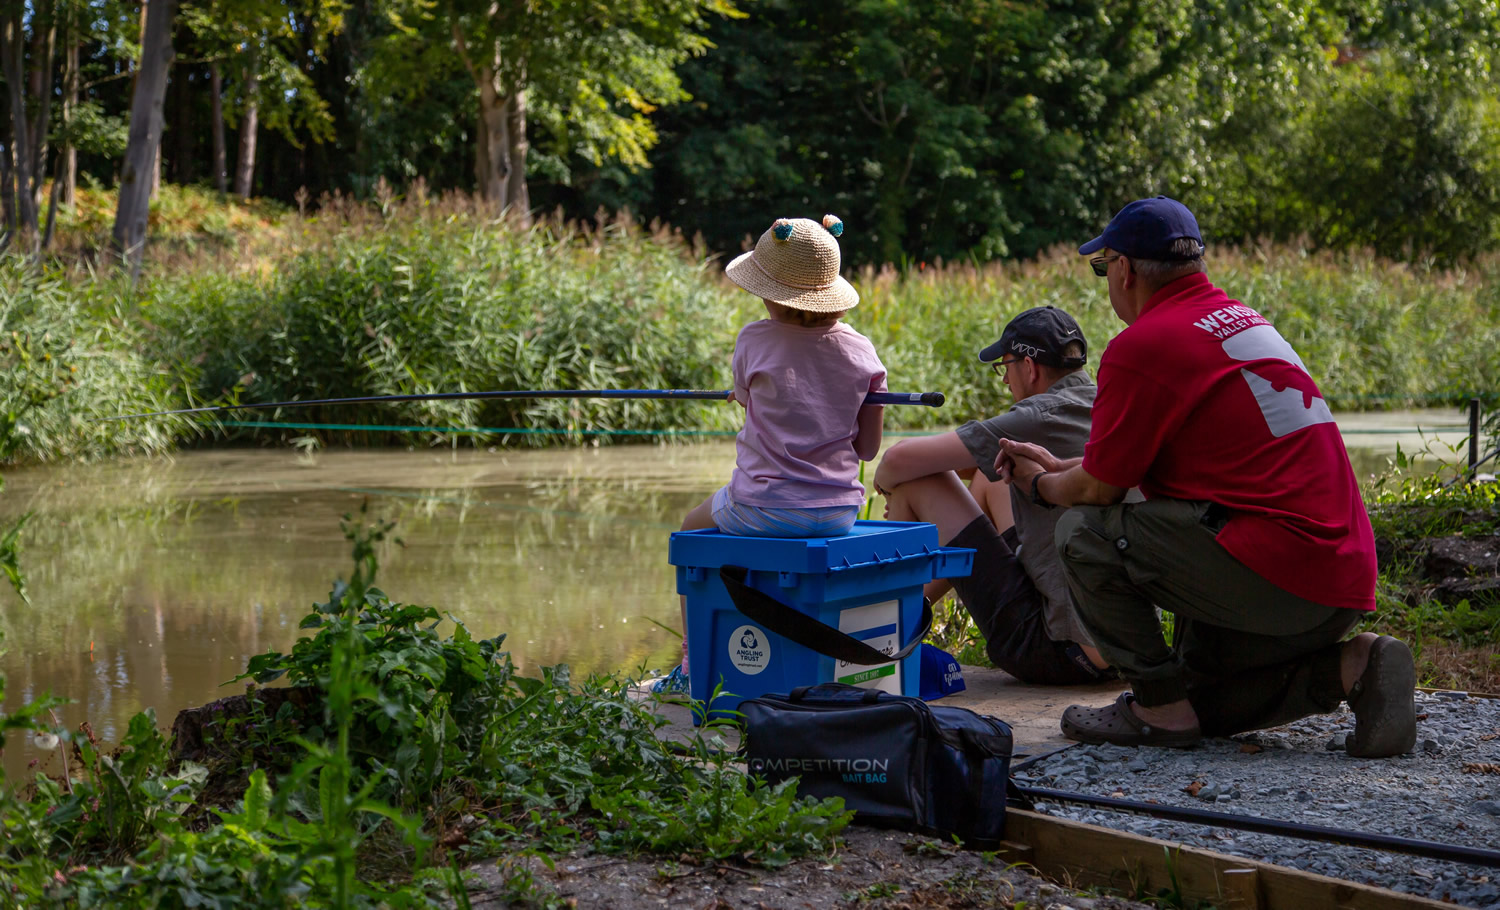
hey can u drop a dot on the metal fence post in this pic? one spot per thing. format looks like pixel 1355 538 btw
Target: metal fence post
pixel 1473 436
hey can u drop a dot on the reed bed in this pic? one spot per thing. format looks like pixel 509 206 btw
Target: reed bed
pixel 423 295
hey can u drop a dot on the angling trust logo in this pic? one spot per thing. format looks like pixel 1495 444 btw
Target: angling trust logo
pixel 749 650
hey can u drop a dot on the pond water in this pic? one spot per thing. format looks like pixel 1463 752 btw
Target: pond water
pixel 152 582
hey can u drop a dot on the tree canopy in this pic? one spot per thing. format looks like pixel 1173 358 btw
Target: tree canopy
pixel 938 129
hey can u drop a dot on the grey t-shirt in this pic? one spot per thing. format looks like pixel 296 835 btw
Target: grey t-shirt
pixel 1057 420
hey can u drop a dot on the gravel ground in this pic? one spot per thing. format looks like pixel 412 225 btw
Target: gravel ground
pixel 1447 790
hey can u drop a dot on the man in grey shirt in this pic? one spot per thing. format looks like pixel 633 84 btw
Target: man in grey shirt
pixel 1017 592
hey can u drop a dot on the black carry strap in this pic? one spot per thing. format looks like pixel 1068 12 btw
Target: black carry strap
pixel 809 632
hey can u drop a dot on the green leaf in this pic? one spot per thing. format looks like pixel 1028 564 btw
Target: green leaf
pixel 257 808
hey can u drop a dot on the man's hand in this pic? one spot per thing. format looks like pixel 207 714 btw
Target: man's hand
pixel 1020 461
pixel 1021 464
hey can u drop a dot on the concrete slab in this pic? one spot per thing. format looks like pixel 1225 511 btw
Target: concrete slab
pixel 1033 712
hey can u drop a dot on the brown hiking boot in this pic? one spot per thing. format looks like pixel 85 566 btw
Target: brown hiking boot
pixel 1384 702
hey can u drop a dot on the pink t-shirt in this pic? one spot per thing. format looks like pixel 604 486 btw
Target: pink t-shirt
pixel 802 389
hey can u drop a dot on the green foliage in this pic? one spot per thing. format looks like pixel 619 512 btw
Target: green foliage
pixel 420 734
pixel 955 631
pixel 1373 333
pixel 584 76
pixel 422 296
pixel 92 131
pixel 939 130
pixel 874 892
pixel 1381 157
pixel 1409 502
pixel 66 358
pixel 724 812
pixel 270 43
pixel 1410 506
pixel 942 130
pixel 428 304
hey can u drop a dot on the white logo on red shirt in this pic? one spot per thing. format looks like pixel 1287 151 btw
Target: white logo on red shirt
pixel 1290 401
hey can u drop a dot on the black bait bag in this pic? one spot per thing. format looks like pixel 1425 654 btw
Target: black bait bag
pixel 897 761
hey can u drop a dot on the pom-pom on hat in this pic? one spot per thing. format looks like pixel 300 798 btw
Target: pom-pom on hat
pixel 796 264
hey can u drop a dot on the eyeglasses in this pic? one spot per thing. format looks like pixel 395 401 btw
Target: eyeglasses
pixel 1000 365
pixel 1101 264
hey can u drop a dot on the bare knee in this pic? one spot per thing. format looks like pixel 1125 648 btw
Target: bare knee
pixel 941 499
pixel 701 516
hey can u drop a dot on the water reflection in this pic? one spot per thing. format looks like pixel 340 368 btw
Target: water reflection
pixel 174 573
pixel 153 582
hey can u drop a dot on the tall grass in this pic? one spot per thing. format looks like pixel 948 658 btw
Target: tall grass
pixel 424 304
pixel 422 295
pixel 1374 334
pixel 68 357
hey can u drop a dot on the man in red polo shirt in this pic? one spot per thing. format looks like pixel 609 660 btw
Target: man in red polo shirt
pixel 1253 533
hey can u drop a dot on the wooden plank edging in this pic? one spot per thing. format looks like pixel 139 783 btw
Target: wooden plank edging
pixel 1082 855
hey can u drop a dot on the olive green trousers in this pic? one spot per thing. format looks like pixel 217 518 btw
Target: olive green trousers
pixel 1248 654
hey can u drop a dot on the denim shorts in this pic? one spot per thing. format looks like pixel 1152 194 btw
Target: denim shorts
pixel 758 521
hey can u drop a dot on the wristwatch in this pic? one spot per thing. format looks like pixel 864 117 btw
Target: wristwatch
pixel 1036 491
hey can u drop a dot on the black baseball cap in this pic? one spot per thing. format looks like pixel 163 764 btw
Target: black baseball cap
pixel 1146 229
pixel 1040 333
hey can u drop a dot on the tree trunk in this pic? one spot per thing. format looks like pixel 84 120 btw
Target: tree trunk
pixel 52 208
pixel 145 134
pixel 182 129
pixel 501 146
pixel 7 200
pixel 12 62
pixel 517 197
pixel 43 44
pixel 68 172
pixel 890 206
pixel 216 81
pixel 494 141
pixel 244 169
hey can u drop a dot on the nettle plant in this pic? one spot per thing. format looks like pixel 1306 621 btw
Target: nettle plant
pixel 443 726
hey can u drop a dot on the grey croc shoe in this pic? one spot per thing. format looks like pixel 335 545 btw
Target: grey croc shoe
pixel 1117 725
pixel 1384 702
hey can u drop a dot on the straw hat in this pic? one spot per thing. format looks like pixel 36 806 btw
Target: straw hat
pixel 796 264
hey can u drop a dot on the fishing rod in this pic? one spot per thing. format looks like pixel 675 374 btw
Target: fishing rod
pixel 926 399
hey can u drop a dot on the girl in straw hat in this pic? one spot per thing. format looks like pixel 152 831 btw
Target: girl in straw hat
pixel 801 376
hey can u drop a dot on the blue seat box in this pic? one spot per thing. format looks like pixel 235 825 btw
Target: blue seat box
pixel 867 584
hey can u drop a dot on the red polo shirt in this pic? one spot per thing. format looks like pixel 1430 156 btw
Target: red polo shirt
pixel 1201 399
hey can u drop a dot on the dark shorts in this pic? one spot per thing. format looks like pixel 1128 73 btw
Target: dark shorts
pixel 1008 609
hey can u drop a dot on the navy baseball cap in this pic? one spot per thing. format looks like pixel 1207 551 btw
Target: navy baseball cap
pixel 1146 229
pixel 1040 333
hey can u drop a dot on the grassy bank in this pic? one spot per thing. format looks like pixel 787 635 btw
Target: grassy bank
pixel 397 756
pixel 427 295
